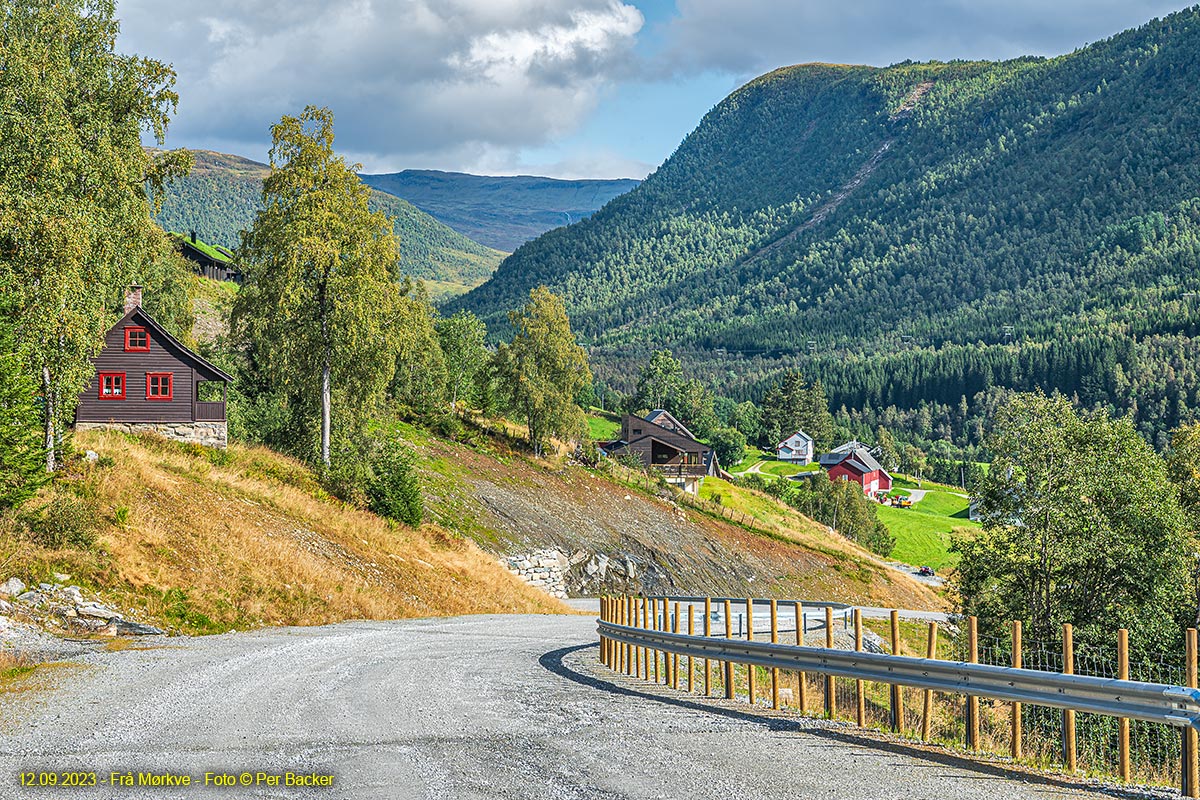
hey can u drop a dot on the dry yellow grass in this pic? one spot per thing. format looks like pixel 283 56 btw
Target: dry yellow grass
pixel 247 538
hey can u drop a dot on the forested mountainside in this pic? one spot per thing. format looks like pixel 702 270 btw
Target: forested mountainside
pixel 502 212
pixel 223 192
pixel 913 235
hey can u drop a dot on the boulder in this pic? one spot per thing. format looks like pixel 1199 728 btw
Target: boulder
pixel 12 587
pixel 96 611
pixel 32 598
pixel 126 628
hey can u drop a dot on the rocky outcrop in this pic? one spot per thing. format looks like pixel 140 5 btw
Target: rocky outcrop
pixel 63 609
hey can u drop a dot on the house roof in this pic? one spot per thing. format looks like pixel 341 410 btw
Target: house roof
pixel 174 343
pixel 859 459
pixel 801 434
pixel 665 419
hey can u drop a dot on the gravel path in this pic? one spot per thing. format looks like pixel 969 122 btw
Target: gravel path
pixel 471 707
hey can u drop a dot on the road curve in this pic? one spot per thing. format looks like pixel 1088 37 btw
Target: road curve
pixel 469 707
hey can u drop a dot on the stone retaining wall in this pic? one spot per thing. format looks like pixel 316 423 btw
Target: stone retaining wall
pixel 209 434
pixel 544 569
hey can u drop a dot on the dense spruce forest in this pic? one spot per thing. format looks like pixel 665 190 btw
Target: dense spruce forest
pixel 500 211
pixel 223 193
pixel 920 238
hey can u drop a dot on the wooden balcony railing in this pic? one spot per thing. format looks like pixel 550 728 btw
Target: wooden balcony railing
pixel 210 412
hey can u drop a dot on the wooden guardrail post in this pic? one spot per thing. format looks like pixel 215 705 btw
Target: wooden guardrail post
pixel 1016 707
pixel 972 700
pixel 830 699
pixel 657 626
pixel 603 640
pixel 691 632
pixel 646 626
pixel 897 695
pixel 1123 722
pixel 860 702
pixel 927 710
pixel 1068 653
pixel 707 633
pixel 750 668
pixel 728 664
pixel 622 610
pixel 1191 770
pixel 801 689
pixel 774 640
pixel 675 656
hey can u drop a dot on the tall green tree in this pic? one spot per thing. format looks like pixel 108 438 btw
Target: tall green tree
pixel 22 448
pixel 542 368
pixel 692 403
pixel 318 305
pixel 463 337
pixel 658 380
pixel 1080 524
pixel 75 223
pixel 793 405
pixel 419 384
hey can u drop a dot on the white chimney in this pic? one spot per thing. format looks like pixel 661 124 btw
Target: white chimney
pixel 133 298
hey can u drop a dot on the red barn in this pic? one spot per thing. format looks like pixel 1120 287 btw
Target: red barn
pixel 853 462
pixel 147 381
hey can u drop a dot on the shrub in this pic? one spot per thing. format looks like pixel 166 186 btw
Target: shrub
pixel 394 491
pixel 65 521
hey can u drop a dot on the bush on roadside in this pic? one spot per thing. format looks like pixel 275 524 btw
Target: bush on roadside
pixel 66 521
pixel 394 492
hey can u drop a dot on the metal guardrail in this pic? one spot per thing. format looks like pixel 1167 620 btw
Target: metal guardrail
pixel 1177 706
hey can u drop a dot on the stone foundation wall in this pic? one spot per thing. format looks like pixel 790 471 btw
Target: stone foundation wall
pixel 209 434
pixel 544 569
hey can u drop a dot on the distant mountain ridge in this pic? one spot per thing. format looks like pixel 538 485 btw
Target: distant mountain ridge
pixel 913 235
pixel 223 193
pixel 498 211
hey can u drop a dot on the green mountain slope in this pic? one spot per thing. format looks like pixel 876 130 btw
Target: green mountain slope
pixel 914 234
pixel 502 212
pixel 223 192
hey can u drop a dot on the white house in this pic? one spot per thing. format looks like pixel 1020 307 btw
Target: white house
pixel 797 448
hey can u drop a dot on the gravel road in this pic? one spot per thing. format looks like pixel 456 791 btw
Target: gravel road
pixel 471 707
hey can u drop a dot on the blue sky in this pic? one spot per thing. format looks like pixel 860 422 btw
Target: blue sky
pixel 567 88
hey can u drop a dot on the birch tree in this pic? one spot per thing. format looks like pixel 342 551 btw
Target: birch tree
pixel 318 304
pixel 75 223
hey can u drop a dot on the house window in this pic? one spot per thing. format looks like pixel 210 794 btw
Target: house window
pixel 136 340
pixel 159 386
pixel 112 385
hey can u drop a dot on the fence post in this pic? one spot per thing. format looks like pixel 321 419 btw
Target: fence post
pixel 750 668
pixel 927 711
pixel 707 661
pixel 1190 766
pixel 1068 652
pixel 830 700
pixel 801 689
pixel 1123 722
pixel 675 656
pixel 972 700
pixel 860 702
pixel 1016 707
pixel 897 695
pixel 774 640
pixel 691 632
pixel 654 616
pixel 624 650
pixel 728 664
pixel 646 626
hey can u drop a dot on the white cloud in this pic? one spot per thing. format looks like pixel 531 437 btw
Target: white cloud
pixel 408 80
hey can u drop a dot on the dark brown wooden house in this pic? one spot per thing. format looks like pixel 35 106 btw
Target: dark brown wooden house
pixel 147 381
pixel 209 261
pixel 664 444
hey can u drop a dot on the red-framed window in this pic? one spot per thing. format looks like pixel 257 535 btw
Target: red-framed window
pixel 111 385
pixel 160 386
pixel 136 340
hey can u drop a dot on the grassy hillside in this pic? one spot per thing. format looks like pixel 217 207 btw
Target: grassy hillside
pixel 510 504
pixel 501 212
pixel 202 541
pixel 913 234
pixel 222 194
